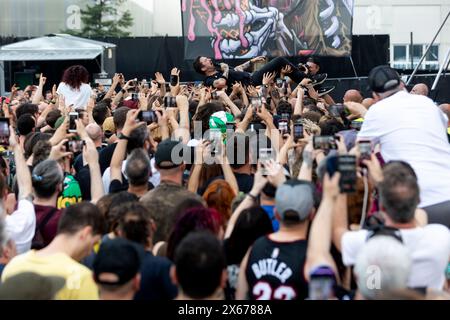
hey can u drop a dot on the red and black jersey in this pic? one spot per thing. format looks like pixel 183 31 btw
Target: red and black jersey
pixel 275 270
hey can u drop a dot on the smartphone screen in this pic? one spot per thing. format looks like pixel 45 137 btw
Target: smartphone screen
pixel 324 142
pixel 283 127
pixel 170 102
pixel 215 137
pixel 336 110
pixel 347 167
pixel 298 131
pixel 72 125
pixel 356 125
pixel 280 83
pixel 148 116
pixel 4 131
pixel 365 151
pixel 321 284
pixel 173 80
pixel 75 146
pixel 265 154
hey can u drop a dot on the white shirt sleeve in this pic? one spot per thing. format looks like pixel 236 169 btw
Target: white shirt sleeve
pixel 371 127
pixel 106 178
pixel 21 225
pixel 352 242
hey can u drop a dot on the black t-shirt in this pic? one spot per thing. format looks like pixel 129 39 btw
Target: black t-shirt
pixel 105 156
pixel 117 186
pixel 78 163
pixel 233 76
pixel 155 279
pixel 275 270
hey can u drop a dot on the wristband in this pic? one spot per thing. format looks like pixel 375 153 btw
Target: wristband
pixel 254 198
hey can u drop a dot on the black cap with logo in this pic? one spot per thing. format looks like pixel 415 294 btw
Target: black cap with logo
pixel 383 78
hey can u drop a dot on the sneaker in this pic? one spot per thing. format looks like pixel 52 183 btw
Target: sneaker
pixel 325 90
pixel 319 79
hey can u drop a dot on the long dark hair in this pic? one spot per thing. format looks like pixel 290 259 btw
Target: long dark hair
pixel 76 75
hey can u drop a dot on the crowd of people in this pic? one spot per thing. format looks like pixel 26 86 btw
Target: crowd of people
pixel 252 185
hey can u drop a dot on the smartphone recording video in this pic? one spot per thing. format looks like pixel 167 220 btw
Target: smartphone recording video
pixel 4 131
pixel 215 138
pixel 336 110
pixel 298 131
pixel 75 146
pixel 173 80
pixel 265 154
pixel 321 284
pixel 356 125
pixel 72 125
pixel 365 151
pixel 324 142
pixel 346 165
pixel 170 102
pixel 148 116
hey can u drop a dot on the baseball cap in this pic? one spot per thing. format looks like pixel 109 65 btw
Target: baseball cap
pixel 294 195
pixel 31 286
pixel 383 78
pixel 117 262
pixel 163 155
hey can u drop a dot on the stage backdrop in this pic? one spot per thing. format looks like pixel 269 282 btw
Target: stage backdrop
pixel 241 29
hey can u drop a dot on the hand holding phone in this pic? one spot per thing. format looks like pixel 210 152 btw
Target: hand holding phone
pixel 72 124
pixel 148 116
pixel 324 142
pixel 4 131
pixel 298 131
pixel 346 166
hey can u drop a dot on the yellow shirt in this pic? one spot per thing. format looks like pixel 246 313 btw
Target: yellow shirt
pixel 80 284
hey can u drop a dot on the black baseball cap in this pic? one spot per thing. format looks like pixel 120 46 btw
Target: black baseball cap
pixel 383 78
pixel 117 262
pixel 164 158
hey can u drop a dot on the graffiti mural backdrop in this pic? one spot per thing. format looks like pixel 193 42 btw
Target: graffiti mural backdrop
pixel 241 29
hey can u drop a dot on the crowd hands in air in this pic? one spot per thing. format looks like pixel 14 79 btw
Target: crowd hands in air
pixel 227 191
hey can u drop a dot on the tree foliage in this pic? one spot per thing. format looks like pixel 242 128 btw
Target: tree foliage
pixel 104 19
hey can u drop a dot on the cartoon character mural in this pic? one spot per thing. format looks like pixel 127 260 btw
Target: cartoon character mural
pixel 241 29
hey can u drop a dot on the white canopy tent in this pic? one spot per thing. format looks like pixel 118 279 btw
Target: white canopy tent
pixel 51 48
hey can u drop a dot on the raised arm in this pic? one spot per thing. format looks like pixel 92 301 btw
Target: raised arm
pixel 318 252
pixel 183 131
pixel 38 95
pixel 224 97
pixel 112 89
pixel 22 171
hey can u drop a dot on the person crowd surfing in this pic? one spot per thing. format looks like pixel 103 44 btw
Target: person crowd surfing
pixel 254 185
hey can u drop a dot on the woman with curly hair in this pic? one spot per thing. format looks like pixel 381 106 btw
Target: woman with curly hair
pixel 74 87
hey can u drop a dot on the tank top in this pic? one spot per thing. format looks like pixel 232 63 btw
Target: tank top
pixel 275 270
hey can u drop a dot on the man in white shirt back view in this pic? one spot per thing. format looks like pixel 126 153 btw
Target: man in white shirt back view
pixel 413 129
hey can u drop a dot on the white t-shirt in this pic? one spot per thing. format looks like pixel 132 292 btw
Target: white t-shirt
pixel 154 179
pixel 429 249
pixel 79 98
pixel 21 225
pixel 412 128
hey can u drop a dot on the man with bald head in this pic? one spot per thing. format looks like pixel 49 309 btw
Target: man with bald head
pixel 420 89
pixel 95 132
pixel 353 96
